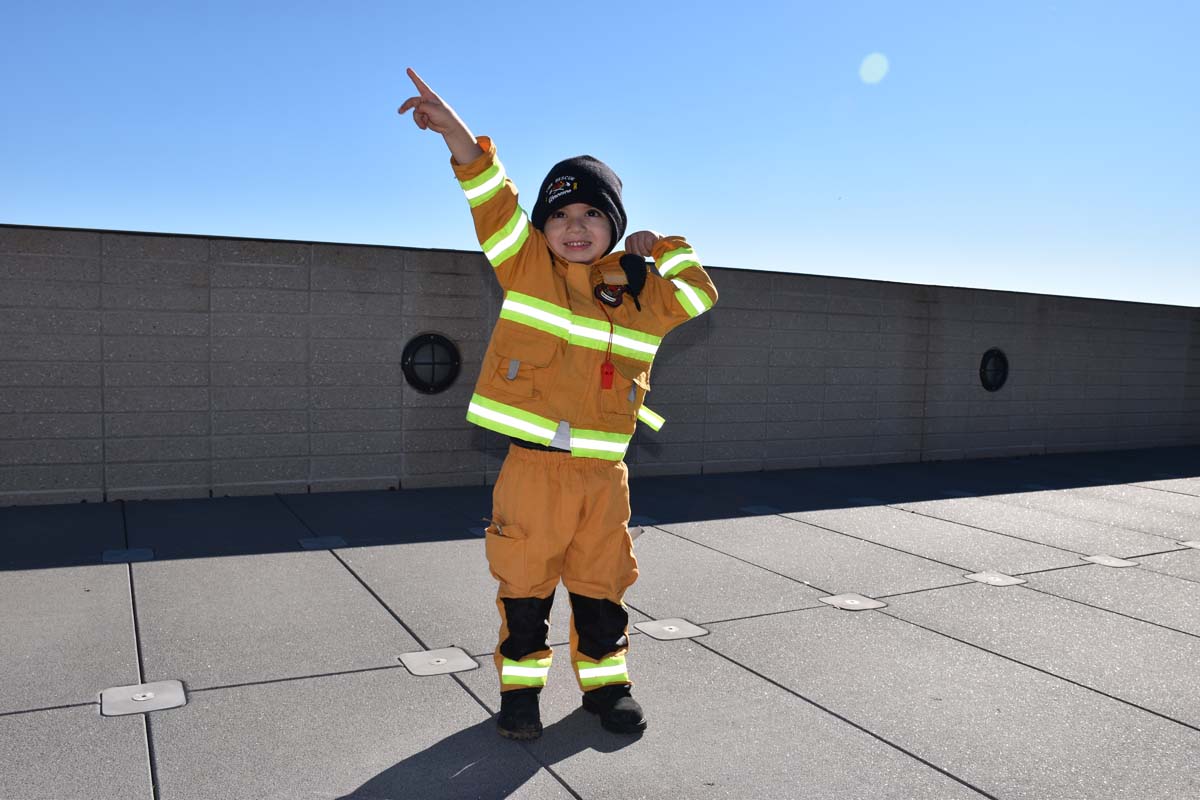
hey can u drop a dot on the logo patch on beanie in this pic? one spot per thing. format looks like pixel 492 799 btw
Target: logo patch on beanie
pixel 562 185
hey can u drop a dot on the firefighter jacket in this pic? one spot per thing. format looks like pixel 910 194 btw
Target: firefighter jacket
pixel 545 362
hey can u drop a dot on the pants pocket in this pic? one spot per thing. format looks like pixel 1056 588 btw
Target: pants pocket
pixel 506 548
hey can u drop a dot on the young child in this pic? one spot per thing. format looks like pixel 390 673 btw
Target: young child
pixel 564 377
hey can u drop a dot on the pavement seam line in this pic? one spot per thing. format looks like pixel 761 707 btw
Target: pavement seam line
pixel 525 745
pixel 152 759
pixel 19 712
pixel 289 679
pixel 986 530
pixel 1075 517
pixel 1043 671
pixel 1164 491
pixel 380 600
pixel 879 544
pixel 1048 593
pixel 141 665
pixel 737 558
pixel 846 720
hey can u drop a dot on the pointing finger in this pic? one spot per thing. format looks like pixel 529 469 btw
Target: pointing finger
pixel 422 87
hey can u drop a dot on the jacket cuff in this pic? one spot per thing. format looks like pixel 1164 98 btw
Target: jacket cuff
pixel 666 245
pixel 465 172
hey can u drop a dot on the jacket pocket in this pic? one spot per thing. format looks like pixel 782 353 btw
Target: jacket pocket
pixel 506 555
pixel 521 364
pixel 628 392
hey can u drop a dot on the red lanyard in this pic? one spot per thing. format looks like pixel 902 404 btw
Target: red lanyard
pixel 606 369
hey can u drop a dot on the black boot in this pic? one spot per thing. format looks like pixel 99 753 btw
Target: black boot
pixel 519 717
pixel 618 711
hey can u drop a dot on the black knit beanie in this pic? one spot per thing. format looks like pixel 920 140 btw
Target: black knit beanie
pixel 582 179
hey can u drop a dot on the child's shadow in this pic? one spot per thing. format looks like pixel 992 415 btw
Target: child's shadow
pixel 478 763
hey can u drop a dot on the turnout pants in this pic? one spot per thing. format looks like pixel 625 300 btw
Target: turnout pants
pixel 556 517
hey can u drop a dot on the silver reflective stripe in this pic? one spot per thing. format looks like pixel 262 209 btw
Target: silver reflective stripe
pixel 526 672
pixel 513 366
pixel 602 672
pixel 488 186
pixel 583 332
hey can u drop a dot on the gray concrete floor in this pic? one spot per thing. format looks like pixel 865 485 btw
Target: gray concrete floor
pixel 1080 683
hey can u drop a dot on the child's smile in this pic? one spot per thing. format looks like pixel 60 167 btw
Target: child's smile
pixel 578 232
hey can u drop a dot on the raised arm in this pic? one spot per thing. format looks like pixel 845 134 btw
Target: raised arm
pixel 680 287
pixel 431 113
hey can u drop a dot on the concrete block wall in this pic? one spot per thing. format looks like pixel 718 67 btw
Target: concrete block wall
pixel 149 366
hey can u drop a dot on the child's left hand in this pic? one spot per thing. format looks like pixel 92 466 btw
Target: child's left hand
pixel 642 242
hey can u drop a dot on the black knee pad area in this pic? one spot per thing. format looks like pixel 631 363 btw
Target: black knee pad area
pixel 600 625
pixel 527 625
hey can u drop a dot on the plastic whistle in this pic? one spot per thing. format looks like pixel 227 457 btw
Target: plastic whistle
pixel 606 375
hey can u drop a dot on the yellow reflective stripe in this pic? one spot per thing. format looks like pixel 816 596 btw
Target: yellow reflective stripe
pixel 508 240
pixel 694 302
pixel 677 261
pixel 537 314
pixel 621 341
pixel 650 418
pixel 510 421
pixel 483 187
pixel 610 670
pixel 599 444
pixel 529 668
pixel 602 672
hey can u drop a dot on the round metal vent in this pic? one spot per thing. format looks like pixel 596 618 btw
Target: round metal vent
pixel 430 363
pixel 993 369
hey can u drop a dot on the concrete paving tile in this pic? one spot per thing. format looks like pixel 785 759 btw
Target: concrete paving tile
pixel 445 594
pixel 1185 505
pixel 1183 564
pixel 371 735
pixel 717 731
pixel 73 753
pixel 1139 593
pixel 68 635
pixel 1135 661
pixel 677 576
pixel 1069 533
pixel 42 537
pixel 1009 730
pixel 213 527
pixel 1071 503
pixel 967 548
pixel 830 562
pixel 1188 486
pixel 374 518
pixel 681 498
pixel 221 621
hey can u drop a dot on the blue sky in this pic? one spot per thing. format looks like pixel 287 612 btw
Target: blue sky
pixel 1029 146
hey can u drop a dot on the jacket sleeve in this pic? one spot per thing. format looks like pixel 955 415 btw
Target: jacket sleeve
pixel 502 226
pixel 682 289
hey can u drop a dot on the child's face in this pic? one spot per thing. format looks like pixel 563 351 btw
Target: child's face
pixel 578 232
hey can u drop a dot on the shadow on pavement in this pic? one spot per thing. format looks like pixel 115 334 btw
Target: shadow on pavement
pixel 478 763
pixel 83 534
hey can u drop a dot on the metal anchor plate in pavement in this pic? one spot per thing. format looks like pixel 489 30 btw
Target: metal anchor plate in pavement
pixel 995 578
pixel 667 629
pixel 852 602
pixel 143 698
pixel 1110 561
pixel 438 662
